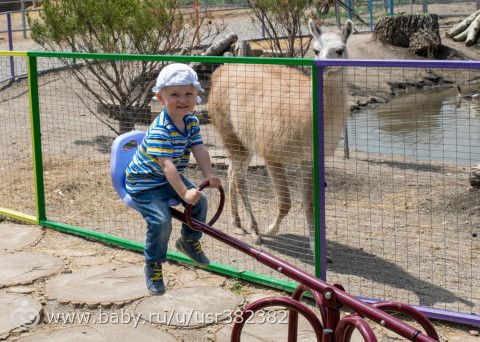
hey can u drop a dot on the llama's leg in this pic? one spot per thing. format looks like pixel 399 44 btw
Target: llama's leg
pixel 233 200
pixel 280 185
pixel 307 201
pixel 241 178
pixel 240 158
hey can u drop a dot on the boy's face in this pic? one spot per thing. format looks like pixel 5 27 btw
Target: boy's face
pixel 178 100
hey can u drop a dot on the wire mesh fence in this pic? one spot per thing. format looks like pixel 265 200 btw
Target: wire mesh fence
pixel 401 216
pixel 77 133
pixel 209 5
pixel 18 189
pixel 366 14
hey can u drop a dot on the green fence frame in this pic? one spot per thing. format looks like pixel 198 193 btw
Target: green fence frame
pixel 42 220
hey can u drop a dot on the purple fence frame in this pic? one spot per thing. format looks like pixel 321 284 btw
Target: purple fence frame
pixel 433 313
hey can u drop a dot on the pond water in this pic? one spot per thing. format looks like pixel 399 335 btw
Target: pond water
pixel 433 125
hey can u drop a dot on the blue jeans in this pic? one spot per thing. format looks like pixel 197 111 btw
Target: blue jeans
pixel 153 205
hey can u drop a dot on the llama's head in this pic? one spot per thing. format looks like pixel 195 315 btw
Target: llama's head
pixel 329 43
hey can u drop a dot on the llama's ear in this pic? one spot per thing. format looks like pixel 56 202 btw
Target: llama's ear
pixel 314 29
pixel 347 30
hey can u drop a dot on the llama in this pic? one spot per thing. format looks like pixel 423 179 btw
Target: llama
pixel 266 109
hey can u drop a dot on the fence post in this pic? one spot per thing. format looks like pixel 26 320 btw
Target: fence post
pixel 425 6
pixel 370 10
pixel 24 22
pixel 349 9
pixel 319 173
pixel 337 14
pixel 391 8
pixel 36 140
pixel 10 44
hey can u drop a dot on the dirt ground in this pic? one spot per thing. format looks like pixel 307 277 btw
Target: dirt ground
pixel 400 229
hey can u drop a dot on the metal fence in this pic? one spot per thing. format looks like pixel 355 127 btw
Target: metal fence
pixel 212 5
pixel 368 12
pixel 396 221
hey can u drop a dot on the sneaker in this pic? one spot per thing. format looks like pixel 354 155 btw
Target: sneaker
pixel 193 249
pixel 154 278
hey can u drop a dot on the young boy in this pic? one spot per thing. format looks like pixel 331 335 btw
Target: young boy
pixel 156 172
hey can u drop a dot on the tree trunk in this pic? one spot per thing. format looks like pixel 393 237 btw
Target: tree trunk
pixel 221 46
pixel 217 49
pixel 463 25
pixel 461 36
pixel 400 30
pixel 473 31
pixel 424 43
pixel 242 49
pixel 126 119
pixel 126 115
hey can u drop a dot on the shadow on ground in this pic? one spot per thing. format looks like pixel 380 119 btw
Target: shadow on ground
pixel 102 143
pixel 357 262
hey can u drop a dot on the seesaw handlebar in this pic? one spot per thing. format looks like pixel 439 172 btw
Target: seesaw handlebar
pixel 188 208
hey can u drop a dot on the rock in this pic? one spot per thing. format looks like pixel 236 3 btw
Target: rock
pixel 25 267
pixel 473 332
pixel 17 236
pixel 475 176
pixel 420 31
pixel 99 285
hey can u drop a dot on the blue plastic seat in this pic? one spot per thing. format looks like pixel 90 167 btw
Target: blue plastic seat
pixel 121 156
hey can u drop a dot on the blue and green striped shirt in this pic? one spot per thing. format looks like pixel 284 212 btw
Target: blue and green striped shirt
pixel 163 139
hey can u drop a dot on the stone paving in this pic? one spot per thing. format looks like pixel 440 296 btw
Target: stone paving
pixel 58 287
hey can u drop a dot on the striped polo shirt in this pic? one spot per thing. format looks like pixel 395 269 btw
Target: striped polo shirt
pixel 163 139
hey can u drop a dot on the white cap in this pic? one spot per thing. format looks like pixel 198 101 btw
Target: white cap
pixel 176 74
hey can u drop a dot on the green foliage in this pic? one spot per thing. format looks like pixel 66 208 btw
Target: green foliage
pixel 119 89
pixel 236 287
pixel 120 26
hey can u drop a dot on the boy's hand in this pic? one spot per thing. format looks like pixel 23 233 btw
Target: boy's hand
pixel 214 181
pixel 192 196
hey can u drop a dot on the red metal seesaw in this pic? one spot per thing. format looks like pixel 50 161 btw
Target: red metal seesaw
pixel 329 298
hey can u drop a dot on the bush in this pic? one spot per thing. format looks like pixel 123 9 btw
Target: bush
pixel 116 26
